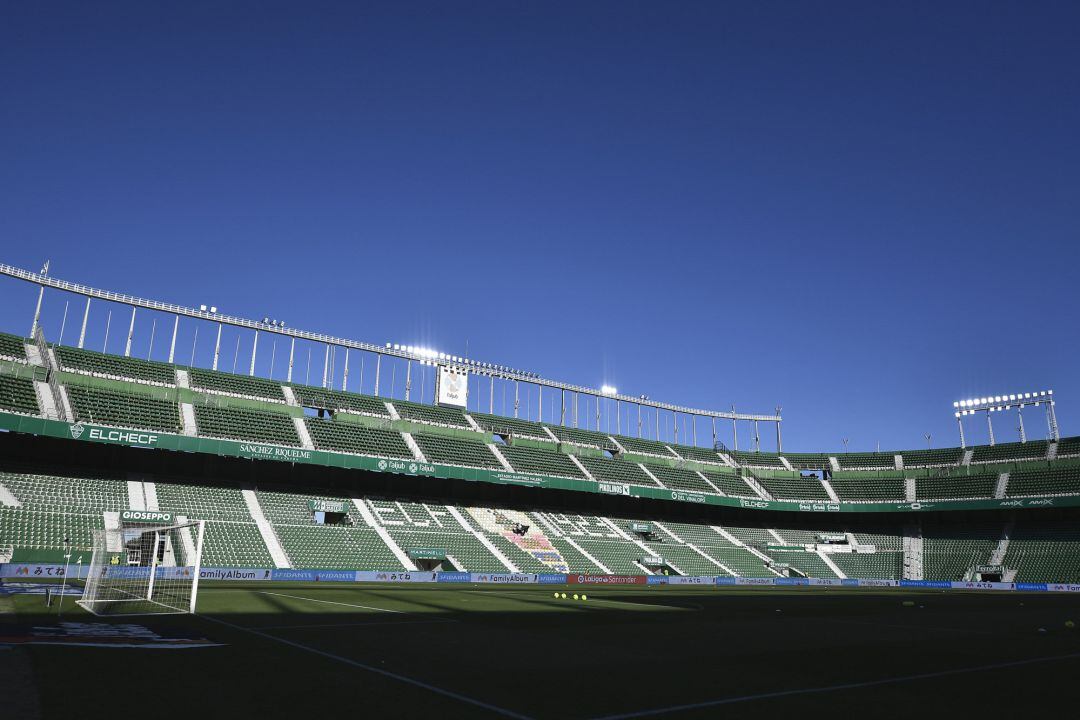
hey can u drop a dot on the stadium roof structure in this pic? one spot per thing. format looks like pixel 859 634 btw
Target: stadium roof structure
pixel 408 353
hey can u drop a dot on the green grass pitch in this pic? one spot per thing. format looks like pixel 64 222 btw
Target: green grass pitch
pixel 456 651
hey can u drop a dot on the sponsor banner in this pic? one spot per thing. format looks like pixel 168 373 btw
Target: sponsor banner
pixel 551 579
pixel 84 432
pixel 940 584
pixel 428 553
pixel 95 433
pixel 607 579
pixel 850 582
pixel 41 570
pixel 990 569
pixel 328 506
pixel 879 583
pixel 405 577
pixel 135 572
pixel 1063 587
pixel 791 581
pixel 506 578
pixel 641 527
pixel 977 585
pixel 689 497
pixel 452 387
pixel 724 580
pixel 290 575
pixel 1031 587
pixel 819 506
pixel 613 488
pixel 656 580
pixel 690 580
pixel 146 516
pixel 100 635
pixel 235 574
pixel 453 577
pixel 259 451
pixel 828 582
pixel 754 581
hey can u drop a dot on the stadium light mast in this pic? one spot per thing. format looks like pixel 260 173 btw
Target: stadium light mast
pixel 217 346
pixel 41 295
pixel 779 444
pixel 254 350
pixel 86 319
pixel 1001 403
pixel 734 430
pixel 131 333
pixel 175 328
pixel 292 352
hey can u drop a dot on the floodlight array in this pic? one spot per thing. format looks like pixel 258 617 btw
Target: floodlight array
pixel 429 356
pixel 1000 403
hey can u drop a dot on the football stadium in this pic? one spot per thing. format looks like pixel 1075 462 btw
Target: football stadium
pixel 337 531
pixel 542 361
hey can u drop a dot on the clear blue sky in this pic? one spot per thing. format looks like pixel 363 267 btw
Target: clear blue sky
pixel 860 213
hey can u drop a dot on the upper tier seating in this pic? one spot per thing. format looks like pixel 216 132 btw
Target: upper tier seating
pixel 577 436
pixel 647 447
pixel 730 484
pixel 1061 478
pixel 1033 450
pixel 95 363
pixel 430 414
pixel 866 460
pixel 808 461
pixel 939 456
pixel 510 426
pixel 342 436
pixel 543 462
pixel 454 451
pixel 706 455
pixel 17 395
pixel 122 409
pixel 321 398
pixel 756 459
pixel 1068 446
pixel 851 487
pixel 679 479
pixel 12 346
pixel 240 385
pixel 957 485
pixel 792 486
pixel 602 468
pixel 244 424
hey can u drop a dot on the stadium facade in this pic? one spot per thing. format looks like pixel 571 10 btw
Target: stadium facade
pixel 294 477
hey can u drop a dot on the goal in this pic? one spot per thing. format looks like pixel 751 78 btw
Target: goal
pixel 145 569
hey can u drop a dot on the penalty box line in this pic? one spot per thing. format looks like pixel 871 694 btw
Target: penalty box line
pixel 333 602
pixel 834 688
pixel 371 668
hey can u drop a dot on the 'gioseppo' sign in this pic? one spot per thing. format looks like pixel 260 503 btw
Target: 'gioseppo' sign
pixel 146 516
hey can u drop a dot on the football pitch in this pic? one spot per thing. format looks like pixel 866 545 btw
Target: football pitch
pixel 457 651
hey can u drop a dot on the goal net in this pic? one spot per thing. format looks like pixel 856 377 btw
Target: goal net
pixel 144 570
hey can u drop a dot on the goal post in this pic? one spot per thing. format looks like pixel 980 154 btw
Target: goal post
pixel 145 569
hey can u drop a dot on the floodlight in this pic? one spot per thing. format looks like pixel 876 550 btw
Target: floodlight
pixel 202 307
pixel 213 308
pixel 608 390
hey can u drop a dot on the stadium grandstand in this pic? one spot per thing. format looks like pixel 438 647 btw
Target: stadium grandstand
pixel 302 487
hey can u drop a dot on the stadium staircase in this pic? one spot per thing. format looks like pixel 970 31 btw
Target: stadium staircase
pixel 499 456
pixel 46 399
pixel 483 539
pixel 401 555
pixel 829 490
pixel 1002 487
pixel 302 432
pixel 273 545
pixel 418 454
pixel 187 420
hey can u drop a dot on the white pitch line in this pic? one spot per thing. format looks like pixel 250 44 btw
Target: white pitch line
pixel 349 625
pixel 833 688
pixel 378 671
pixel 332 602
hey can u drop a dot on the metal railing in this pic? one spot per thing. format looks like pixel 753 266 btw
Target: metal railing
pixel 46 281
